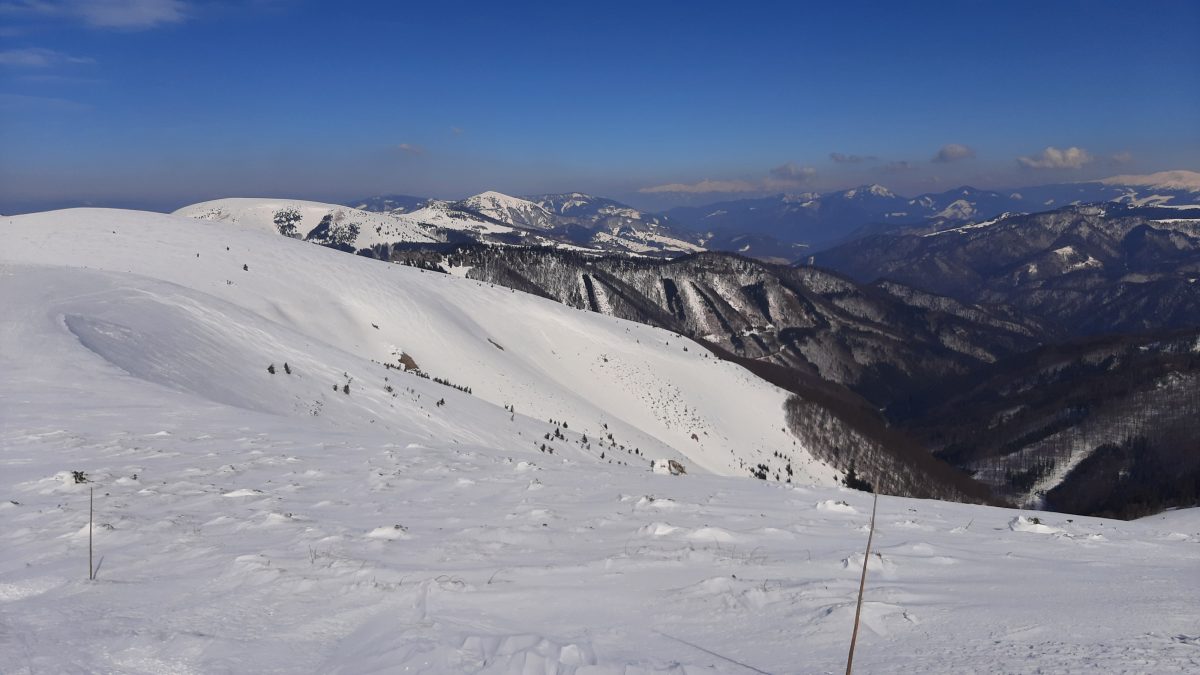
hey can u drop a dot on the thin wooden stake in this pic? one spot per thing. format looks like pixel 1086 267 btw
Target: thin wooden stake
pixel 91 511
pixel 862 583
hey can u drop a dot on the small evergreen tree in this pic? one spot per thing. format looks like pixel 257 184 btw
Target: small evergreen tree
pixel 286 221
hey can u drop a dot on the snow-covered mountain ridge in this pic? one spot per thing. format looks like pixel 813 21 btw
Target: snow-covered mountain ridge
pixel 322 223
pixel 511 210
pixel 554 362
pixel 489 217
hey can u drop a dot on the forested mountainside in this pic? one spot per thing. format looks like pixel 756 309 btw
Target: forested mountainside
pixel 1107 426
pixel 1086 270
pixel 842 348
pixel 919 355
pixel 877 341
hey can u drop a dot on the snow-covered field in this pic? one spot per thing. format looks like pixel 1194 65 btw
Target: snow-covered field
pixel 258 522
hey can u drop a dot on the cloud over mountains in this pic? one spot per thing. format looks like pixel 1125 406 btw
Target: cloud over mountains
pixel 1053 158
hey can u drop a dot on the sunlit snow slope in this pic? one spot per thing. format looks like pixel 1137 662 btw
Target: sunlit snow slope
pixel 216 303
pixel 262 214
pixel 270 523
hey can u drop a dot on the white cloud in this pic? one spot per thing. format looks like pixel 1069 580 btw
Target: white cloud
pixel 1122 157
pixel 36 57
pixel 952 152
pixel 410 149
pixel 704 186
pixel 1053 158
pixel 128 14
pixel 783 177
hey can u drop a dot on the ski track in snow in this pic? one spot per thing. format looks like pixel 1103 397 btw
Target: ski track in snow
pixel 248 522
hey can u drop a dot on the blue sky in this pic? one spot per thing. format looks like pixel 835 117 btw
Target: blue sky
pixel 159 103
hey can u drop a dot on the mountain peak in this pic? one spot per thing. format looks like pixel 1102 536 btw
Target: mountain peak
pixel 508 209
pixel 491 197
pixel 874 190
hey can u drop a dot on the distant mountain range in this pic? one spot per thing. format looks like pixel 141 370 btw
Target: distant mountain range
pixel 778 228
pixel 572 221
pixel 824 219
pixel 1037 352
pixel 1104 417
pixel 1084 269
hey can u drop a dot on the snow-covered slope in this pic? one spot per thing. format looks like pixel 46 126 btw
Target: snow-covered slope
pixel 511 210
pixel 257 522
pixel 446 215
pixel 315 221
pixel 572 221
pixel 653 390
pixel 1167 180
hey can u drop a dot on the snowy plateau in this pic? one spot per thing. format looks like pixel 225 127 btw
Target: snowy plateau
pixel 306 461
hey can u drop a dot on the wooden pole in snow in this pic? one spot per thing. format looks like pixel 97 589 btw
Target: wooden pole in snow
pixel 862 583
pixel 91 511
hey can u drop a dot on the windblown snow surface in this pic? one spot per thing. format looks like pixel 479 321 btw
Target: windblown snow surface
pixel 257 522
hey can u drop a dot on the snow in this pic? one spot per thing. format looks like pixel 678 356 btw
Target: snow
pixel 1165 180
pixel 874 190
pixel 1177 206
pixel 1026 524
pixel 963 229
pixel 259 213
pixel 442 215
pixel 367 311
pixel 250 522
pixel 959 209
pixel 510 210
pixel 1149 200
pixel 621 212
pixel 642 242
pixel 460 270
pixel 1074 261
